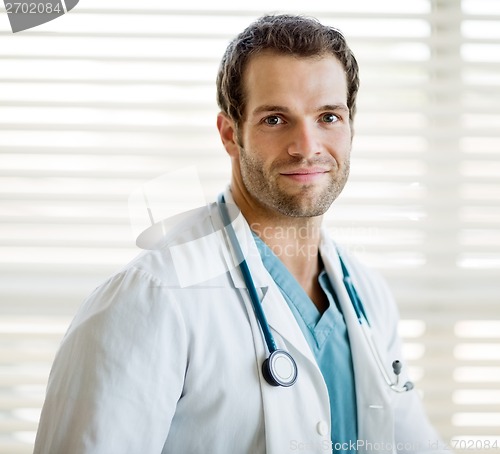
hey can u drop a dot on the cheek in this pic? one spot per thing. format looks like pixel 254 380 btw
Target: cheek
pixel 254 166
pixel 342 145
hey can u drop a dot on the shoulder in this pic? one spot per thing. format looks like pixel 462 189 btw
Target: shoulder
pixel 154 273
pixel 171 248
pixel 166 241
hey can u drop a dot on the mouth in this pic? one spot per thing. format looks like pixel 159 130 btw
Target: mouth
pixel 305 175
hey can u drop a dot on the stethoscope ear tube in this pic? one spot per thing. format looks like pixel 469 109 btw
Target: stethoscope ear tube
pixel 396 365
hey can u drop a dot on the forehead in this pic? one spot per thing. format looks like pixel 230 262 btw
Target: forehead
pixel 272 78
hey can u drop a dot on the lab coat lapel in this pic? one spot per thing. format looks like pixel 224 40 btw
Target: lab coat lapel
pixel 278 314
pixel 375 416
pixel 282 320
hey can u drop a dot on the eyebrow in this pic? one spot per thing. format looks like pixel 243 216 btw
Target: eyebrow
pixel 278 108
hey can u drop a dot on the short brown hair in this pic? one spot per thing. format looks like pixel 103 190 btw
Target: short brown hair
pixel 284 34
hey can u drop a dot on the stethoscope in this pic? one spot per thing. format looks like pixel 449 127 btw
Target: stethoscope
pixel 279 368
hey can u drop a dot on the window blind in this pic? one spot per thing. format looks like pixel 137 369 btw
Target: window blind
pixel 114 94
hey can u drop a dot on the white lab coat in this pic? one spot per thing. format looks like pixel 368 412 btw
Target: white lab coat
pixel 165 357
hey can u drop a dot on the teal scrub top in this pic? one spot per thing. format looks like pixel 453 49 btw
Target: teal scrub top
pixel 328 339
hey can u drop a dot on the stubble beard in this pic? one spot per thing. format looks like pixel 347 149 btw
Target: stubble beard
pixel 307 202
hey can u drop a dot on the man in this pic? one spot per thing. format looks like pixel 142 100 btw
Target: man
pixel 167 355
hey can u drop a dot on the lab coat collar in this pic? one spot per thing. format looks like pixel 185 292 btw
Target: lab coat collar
pixel 373 396
pixel 247 244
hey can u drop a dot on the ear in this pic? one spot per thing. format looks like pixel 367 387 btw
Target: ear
pixel 227 132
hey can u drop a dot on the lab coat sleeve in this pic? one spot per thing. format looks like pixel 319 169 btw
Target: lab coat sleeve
pixel 118 374
pixel 412 430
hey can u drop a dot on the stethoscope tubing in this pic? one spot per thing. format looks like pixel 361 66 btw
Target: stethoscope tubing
pixel 247 277
pixel 266 331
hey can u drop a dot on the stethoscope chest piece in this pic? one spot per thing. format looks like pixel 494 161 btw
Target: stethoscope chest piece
pixel 280 369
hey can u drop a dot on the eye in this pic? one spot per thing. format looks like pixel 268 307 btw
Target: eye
pixel 273 120
pixel 329 118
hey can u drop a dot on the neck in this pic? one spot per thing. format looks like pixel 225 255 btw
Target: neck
pixel 295 240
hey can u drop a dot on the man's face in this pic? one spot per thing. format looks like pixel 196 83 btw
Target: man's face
pixel 295 137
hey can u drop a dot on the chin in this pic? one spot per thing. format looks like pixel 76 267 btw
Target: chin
pixel 303 210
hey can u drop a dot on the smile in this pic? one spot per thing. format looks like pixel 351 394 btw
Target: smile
pixel 305 175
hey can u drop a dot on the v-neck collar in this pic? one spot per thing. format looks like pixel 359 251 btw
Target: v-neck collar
pixel 319 325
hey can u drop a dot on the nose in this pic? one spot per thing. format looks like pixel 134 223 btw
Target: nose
pixel 304 141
